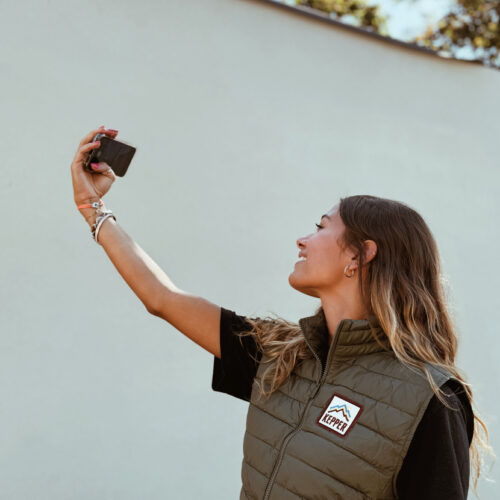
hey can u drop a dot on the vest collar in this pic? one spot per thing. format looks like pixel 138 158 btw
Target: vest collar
pixel 353 337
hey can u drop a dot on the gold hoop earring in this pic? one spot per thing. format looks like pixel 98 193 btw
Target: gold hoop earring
pixel 349 275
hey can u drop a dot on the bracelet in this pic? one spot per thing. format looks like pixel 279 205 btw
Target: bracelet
pixel 102 215
pixel 95 204
pixel 100 219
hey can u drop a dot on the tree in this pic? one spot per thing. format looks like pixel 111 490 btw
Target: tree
pixel 366 16
pixel 472 24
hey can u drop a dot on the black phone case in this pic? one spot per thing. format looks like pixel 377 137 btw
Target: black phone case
pixel 116 154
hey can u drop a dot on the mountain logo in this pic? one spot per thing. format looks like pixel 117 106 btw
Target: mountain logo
pixel 340 415
pixel 341 409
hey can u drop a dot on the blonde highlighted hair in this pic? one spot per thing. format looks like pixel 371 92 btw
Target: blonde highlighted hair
pixel 405 290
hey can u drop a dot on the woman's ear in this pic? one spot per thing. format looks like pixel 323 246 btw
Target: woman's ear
pixel 370 250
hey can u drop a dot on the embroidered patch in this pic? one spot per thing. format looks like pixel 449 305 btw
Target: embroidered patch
pixel 340 415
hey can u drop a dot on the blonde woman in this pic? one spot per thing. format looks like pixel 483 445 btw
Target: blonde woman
pixel 362 399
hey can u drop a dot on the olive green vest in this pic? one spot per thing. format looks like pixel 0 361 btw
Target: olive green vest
pixel 338 429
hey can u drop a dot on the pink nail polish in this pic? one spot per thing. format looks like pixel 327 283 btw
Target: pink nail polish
pixel 94 165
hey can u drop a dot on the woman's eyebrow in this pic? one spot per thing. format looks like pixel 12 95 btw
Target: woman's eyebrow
pixel 324 215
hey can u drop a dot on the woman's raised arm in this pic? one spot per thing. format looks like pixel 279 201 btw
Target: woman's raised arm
pixel 195 317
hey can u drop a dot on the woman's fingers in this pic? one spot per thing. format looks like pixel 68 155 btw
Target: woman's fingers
pixel 105 178
pixel 88 138
pixel 89 146
pixel 101 130
pixel 83 150
pixel 86 143
pixel 103 168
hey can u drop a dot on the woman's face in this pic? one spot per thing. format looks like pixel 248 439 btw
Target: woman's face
pixel 323 268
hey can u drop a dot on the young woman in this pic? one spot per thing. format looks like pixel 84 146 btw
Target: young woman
pixel 361 400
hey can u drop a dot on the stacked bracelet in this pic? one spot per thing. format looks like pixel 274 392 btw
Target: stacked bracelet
pixel 102 215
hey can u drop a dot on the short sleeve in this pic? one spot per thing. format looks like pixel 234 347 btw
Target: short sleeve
pixel 436 465
pixel 235 371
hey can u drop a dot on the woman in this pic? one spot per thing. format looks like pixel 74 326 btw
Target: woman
pixel 361 399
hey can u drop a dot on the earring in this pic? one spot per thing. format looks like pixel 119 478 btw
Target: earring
pixel 348 275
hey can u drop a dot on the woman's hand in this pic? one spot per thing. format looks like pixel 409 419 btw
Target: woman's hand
pixel 88 186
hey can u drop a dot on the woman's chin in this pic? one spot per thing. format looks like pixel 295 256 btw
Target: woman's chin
pixel 299 285
pixel 292 279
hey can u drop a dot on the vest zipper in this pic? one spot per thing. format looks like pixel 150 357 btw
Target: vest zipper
pixel 308 404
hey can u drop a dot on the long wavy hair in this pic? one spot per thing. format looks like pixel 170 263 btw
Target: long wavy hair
pixel 406 292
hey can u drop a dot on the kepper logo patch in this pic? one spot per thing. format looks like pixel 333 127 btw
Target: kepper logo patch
pixel 340 415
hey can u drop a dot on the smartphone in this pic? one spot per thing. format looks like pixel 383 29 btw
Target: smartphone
pixel 116 154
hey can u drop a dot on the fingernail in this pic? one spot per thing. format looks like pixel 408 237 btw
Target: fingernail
pixel 102 126
pixel 95 165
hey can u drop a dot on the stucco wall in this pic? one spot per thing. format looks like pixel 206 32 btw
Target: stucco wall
pixel 250 122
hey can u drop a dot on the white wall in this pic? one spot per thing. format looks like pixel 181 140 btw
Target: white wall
pixel 250 122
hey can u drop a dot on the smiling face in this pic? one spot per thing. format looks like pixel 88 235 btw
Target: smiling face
pixel 322 271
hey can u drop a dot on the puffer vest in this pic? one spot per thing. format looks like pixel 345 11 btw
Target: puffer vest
pixel 335 429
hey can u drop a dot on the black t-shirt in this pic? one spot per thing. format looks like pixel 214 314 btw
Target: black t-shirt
pixel 436 466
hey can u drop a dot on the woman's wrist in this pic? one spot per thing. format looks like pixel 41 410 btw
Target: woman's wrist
pixel 91 216
pixel 90 213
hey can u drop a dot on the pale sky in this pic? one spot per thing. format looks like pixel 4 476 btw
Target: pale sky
pixel 406 19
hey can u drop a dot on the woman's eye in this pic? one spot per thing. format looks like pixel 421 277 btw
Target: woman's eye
pixel 319 226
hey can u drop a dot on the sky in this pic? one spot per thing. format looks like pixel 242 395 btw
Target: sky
pixel 407 19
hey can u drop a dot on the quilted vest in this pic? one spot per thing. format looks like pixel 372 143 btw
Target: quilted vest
pixel 335 429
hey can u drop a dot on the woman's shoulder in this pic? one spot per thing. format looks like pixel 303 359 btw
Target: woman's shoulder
pixel 460 408
pixel 454 394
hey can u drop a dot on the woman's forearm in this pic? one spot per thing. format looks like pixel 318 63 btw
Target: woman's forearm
pixel 143 275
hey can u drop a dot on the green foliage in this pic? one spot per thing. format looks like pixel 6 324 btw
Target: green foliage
pixel 364 15
pixel 471 23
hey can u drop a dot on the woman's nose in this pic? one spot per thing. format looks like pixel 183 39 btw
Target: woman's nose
pixel 300 242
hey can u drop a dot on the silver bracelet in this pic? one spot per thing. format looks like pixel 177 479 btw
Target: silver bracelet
pixel 99 213
pixel 102 215
pixel 99 224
